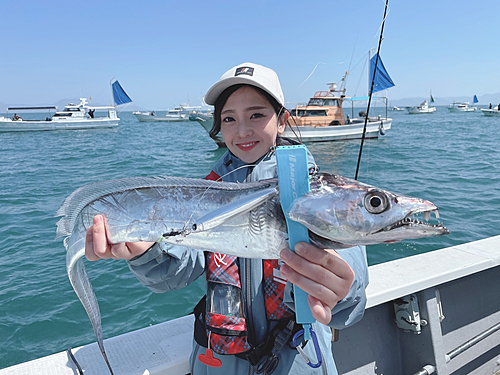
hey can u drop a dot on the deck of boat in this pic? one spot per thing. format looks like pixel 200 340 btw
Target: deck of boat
pixel 456 291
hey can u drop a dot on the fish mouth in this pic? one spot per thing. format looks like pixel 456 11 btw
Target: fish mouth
pixel 411 221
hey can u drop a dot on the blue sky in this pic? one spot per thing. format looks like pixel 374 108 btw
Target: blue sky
pixel 167 52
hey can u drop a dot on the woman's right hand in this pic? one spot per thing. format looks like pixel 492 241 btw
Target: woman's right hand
pixel 97 245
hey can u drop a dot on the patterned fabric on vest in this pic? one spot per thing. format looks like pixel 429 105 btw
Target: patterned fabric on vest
pixel 223 269
pixel 274 290
pixel 222 344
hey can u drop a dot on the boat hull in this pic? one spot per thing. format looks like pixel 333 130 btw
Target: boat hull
pixel 468 109
pixel 145 117
pixel 353 130
pixel 416 110
pixel 491 112
pixel 8 125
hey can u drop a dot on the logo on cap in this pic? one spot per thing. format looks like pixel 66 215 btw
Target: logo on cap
pixel 244 70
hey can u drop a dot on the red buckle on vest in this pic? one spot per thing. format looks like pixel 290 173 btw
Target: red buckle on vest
pixel 209 360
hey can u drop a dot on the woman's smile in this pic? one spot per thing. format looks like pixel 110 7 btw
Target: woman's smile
pixel 247 146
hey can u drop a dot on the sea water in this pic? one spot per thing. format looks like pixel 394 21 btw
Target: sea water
pixel 451 159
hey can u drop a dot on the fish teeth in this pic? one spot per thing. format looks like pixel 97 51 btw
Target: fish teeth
pixel 436 213
pixel 427 215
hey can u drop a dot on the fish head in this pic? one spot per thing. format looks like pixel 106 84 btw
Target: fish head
pixel 352 213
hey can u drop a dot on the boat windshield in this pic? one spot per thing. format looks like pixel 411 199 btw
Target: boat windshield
pixel 323 102
pixel 72 109
pixel 306 113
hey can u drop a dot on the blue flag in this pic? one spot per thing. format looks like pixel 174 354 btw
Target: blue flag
pixel 119 95
pixel 382 79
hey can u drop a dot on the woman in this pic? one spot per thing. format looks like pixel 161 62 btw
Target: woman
pixel 249 302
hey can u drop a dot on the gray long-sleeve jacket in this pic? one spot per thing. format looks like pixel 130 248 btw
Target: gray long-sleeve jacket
pixel 167 267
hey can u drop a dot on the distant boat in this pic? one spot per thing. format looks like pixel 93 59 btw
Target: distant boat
pixel 422 108
pixel 72 117
pixel 493 112
pixel 463 106
pixel 180 113
pixel 395 108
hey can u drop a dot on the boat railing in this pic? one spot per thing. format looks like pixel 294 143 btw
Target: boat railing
pixel 352 100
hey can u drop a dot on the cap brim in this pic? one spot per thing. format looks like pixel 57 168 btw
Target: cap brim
pixel 214 92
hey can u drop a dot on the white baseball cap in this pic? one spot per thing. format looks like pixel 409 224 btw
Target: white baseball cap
pixel 249 74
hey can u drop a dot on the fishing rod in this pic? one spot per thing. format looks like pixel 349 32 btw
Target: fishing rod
pixel 371 91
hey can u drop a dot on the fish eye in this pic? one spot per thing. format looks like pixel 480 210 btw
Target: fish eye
pixel 376 202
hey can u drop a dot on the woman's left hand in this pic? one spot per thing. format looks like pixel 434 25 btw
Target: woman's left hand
pixel 323 274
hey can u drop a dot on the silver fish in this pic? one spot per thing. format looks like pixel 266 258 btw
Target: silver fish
pixel 242 219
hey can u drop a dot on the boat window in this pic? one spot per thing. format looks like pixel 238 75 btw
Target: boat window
pixel 62 115
pixel 316 113
pixel 315 102
pixel 320 93
pixel 331 102
pixel 306 113
pixel 323 102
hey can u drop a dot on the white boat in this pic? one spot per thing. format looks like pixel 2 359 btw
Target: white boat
pixel 72 117
pixel 180 113
pixel 491 112
pixel 396 108
pixel 461 107
pixel 431 313
pixel 422 108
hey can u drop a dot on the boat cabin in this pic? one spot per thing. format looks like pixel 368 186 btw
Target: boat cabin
pixel 82 111
pixel 323 109
pixel 71 110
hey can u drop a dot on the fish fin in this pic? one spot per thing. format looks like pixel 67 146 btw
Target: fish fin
pixel 86 194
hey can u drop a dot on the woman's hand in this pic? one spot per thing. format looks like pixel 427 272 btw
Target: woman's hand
pixel 323 274
pixel 97 245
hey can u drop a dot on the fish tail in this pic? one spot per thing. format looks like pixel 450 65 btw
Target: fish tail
pixel 81 284
pixel 103 352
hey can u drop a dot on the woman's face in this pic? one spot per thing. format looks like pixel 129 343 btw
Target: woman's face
pixel 249 124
